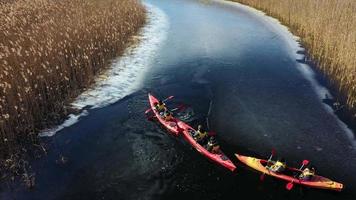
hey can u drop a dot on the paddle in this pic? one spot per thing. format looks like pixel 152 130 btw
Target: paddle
pixel 168 98
pixel 290 185
pixel 180 107
pixel 150 118
pixel 150 109
pixel 273 152
pixel 208 114
pixel 212 133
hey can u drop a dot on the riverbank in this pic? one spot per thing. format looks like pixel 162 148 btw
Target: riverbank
pixel 327 32
pixel 50 52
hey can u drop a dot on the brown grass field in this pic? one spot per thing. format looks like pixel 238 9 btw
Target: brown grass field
pixel 49 52
pixel 327 29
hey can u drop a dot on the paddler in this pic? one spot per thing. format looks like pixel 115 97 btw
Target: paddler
pixel 168 115
pixel 200 135
pixel 307 174
pixel 213 145
pixel 160 106
pixel 279 166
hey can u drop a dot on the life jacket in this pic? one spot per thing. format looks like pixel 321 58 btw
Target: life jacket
pixel 160 107
pixel 307 172
pixel 200 135
pixel 278 166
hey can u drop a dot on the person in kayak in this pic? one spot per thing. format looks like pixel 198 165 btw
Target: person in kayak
pixel 279 166
pixel 307 174
pixel 168 115
pixel 200 135
pixel 160 106
pixel 213 145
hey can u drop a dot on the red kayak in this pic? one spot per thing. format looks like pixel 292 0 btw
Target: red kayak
pixel 317 181
pixel 171 125
pixel 219 158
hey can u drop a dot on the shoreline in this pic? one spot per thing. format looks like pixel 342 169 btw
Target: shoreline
pixel 123 75
pixel 82 59
pixel 333 99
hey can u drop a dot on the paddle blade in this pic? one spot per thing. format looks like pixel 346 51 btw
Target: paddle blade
pixel 273 152
pixel 305 162
pixel 179 108
pixel 289 186
pixel 148 110
pixel 262 177
pixel 212 133
pixel 168 98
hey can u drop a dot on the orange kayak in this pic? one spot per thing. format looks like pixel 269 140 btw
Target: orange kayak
pixel 316 182
pixel 170 125
pixel 219 158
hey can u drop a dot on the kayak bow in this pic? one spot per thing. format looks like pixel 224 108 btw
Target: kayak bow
pixel 316 182
pixel 171 125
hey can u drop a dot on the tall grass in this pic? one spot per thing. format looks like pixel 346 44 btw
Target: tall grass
pixel 49 51
pixel 328 30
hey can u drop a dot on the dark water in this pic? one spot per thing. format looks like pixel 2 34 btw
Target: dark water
pixel 213 53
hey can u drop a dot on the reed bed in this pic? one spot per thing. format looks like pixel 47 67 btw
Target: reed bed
pixel 49 52
pixel 328 30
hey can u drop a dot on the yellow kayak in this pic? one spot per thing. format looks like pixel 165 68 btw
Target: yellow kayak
pixel 316 182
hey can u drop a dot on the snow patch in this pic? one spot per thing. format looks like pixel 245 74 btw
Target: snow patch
pixel 125 75
pixel 72 119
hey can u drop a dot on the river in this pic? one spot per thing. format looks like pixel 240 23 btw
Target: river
pixel 216 56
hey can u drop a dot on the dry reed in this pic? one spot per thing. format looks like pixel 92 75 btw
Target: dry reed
pixel 49 51
pixel 328 30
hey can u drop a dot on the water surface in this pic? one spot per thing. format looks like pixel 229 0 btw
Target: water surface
pixel 260 100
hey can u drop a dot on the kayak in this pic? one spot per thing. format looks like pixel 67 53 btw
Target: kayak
pixel 316 182
pixel 171 125
pixel 219 158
